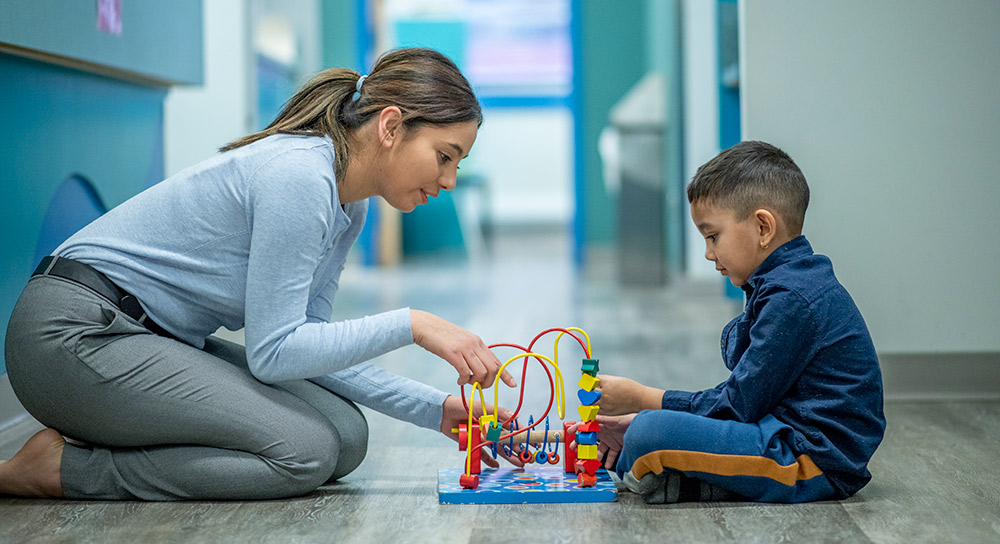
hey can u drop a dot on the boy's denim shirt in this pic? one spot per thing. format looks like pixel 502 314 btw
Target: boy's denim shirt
pixel 801 352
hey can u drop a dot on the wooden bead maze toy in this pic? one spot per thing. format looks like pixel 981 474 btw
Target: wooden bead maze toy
pixel 542 479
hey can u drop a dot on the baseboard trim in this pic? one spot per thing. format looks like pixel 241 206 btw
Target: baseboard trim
pixel 11 411
pixel 941 376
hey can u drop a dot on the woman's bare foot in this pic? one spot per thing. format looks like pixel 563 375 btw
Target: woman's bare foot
pixel 34 470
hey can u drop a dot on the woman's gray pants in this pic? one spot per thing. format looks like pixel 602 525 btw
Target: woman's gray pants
pixel 153 418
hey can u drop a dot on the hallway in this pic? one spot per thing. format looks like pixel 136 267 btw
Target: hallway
pixel 935 478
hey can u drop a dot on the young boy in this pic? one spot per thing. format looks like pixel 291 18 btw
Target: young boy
pixel 801 414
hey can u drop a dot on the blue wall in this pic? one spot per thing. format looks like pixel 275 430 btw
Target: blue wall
pixel 59 118
pixel 55 122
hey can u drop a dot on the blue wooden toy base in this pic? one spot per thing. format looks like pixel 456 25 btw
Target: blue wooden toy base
pixel 513 485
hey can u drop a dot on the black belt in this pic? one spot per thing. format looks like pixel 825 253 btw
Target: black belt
pixel 91 278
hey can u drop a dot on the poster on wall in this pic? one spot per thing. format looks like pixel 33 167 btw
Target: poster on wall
pixel 513 48
pixel 519 47
pixel 109 16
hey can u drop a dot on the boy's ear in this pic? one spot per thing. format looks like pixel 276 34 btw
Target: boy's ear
pixel 767 227
pixel 390 121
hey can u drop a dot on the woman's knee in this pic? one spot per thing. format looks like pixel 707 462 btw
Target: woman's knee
pixel 352 428
pixel 312 455
pixel 348 420
pixel 331 454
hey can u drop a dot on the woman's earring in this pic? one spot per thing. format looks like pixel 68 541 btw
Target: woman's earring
pixel 764 245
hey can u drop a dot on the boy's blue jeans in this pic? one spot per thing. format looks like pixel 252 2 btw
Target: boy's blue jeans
pixel 751 459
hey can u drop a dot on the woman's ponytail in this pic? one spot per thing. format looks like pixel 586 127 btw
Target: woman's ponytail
pixel 424 84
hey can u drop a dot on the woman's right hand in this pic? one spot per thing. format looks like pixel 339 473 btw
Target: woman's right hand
pixel 453 413
pixel 463 350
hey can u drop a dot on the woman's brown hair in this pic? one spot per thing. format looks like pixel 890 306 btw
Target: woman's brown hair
pixel 424 84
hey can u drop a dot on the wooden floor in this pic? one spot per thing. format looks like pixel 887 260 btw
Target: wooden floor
pixel 935 476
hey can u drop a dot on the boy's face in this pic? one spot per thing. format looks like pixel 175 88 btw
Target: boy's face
pixel 734 246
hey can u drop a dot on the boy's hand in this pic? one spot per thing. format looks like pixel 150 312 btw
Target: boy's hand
pixel 625 396
pixel 454 413
pixel 610 438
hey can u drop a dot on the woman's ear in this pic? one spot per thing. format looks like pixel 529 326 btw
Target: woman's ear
pixel 767 227
pixel 390 124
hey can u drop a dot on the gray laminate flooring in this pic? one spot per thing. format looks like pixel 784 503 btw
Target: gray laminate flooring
pixel 935 476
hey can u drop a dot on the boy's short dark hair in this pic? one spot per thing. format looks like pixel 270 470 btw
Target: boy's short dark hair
pixel 753 175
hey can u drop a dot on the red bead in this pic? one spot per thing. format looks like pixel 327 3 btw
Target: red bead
pixel 587 466
pixel 525 456
pixel 588 427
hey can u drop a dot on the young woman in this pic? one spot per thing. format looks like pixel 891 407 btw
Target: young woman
pixel 110 344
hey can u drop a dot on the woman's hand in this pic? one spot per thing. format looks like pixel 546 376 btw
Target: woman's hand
pixel 626 396
pixel 460 348
pixel 454 413
pixel 610 438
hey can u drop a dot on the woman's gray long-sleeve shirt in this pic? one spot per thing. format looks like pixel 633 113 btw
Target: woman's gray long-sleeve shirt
pixel 256 238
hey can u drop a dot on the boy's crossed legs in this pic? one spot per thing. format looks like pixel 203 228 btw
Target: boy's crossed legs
pixel 673 456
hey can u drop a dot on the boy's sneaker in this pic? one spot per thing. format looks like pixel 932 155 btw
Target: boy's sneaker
pixel 669 487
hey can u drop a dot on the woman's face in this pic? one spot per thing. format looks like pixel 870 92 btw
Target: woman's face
pixel 425 162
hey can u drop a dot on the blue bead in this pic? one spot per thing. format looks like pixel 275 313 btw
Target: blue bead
pixel 588 398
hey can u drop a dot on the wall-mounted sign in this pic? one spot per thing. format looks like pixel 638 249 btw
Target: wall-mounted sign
pixel 109 16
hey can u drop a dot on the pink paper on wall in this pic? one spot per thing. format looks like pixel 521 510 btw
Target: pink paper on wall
pixel 109 16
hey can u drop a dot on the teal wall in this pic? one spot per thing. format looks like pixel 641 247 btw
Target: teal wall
pixel 345 34
pixel 347 43
pixel 610 51
pixel 159 41
pixel 615 44
pixel 663 23
pixel 56 121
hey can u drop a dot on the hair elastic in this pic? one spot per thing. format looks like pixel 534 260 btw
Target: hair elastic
pixel 357 88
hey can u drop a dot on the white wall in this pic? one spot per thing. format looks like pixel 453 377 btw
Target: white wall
pixel 701 114
pixel 892 110
pixel 526 155
pixel 289 31
pixel 199 120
